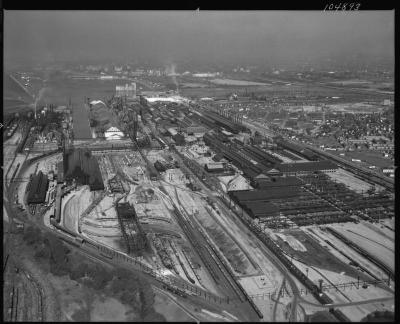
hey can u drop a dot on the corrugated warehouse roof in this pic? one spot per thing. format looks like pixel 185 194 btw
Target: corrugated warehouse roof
pixel 214 166
pixel 307 166
pixel 309 154
pixel 265 195
pixel 277 182
pixel 250 173
pixel 261 209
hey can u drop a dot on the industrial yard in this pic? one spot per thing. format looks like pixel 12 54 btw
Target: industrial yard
pixel 223 187
pixel 182 191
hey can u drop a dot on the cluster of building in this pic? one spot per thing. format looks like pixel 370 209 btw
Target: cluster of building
pixel 127 90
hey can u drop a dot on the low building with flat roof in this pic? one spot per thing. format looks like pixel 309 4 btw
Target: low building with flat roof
pixel 294 169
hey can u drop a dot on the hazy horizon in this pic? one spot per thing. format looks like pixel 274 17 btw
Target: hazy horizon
pixel 219 36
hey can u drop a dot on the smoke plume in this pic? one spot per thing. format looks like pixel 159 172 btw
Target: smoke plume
pixel 170 71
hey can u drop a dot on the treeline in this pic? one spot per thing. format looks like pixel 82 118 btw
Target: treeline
pixel 119 283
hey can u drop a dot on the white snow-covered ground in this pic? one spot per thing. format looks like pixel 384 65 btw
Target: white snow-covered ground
pixel 349 294
pixel 351 181
pixel 382 230
pixel 75 204
pixel 14 140
pixel 389 223
pixel 321 236
pixel 292 241
pixel 264 288
pixel 19 159
pixel 50 163
pixel 377 245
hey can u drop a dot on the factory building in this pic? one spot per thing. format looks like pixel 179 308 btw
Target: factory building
pixel 295 169
pixel 38 188
pixel 266 182
pixel 214 167
pixel 257 203
pixel 60 172
pixel 128 91
pixel 179 139
pixel 297 149
pixel 113 133
pixel 80 165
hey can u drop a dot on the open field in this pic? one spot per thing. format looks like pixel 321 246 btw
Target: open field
pixel 356 107
pixel 192 85
pixel 231 82
pixel 205 92
pixel 365 84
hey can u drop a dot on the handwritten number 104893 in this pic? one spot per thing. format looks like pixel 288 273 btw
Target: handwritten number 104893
pixel 342 6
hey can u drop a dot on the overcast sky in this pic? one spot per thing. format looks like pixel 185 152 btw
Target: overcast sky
pixel 243 36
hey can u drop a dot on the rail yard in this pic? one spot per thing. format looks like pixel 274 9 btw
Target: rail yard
pixel 227 214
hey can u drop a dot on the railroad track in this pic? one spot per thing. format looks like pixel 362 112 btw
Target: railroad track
pixel 13 308
pixel 367 238
pixel 39 296
pixel 363 252
pixel 218 261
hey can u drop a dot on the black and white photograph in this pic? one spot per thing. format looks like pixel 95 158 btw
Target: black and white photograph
pixel 199 165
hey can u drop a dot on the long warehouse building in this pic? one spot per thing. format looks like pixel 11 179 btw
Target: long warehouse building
pixel 80 165
pixel 38 188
